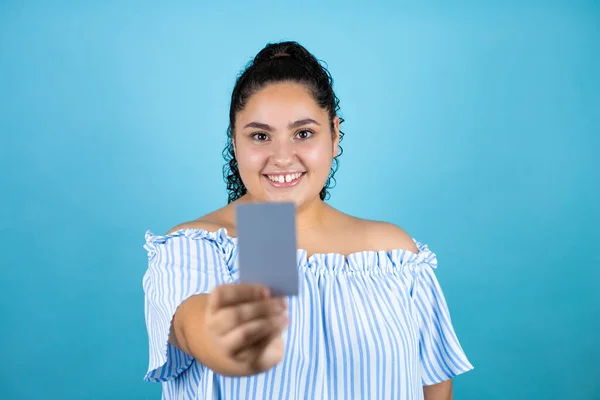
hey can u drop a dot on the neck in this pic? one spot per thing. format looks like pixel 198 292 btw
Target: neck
pixel 308 215
pixel 311 215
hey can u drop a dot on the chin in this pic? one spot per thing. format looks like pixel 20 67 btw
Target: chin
pixel 291 194
pixel 269 197
pixel 284 199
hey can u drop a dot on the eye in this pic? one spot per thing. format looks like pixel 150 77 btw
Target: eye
pixel 259 136
pixel 304 134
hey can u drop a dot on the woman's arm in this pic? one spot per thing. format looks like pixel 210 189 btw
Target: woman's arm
pixel 439 391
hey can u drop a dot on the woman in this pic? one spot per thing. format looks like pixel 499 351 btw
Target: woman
pixel 370 321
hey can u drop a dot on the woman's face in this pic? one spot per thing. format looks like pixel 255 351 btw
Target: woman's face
pixel 284 145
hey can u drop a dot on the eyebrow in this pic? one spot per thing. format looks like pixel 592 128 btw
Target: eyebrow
pixel 293 125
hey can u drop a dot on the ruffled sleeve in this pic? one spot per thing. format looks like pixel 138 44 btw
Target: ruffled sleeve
pixel 180 265
pixel 441 354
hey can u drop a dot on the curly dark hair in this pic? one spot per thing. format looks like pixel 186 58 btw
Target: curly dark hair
pixel 279 62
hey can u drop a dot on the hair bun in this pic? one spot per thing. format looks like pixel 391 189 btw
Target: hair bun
pixel 278 51
pixel 280 54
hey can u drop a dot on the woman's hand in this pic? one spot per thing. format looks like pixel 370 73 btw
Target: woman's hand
pixel 242 328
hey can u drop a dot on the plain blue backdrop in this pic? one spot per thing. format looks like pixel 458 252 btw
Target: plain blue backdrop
pixel 474 127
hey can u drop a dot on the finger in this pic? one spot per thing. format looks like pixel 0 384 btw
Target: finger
pixel 233 316
pixel 252 332
pixel 231 294
pixel 271 354
pixel 264 354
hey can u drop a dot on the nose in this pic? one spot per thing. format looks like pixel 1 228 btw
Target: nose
pixel 283 154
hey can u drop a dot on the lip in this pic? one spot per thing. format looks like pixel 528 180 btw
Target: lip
pixel 284 185
pixel 284 172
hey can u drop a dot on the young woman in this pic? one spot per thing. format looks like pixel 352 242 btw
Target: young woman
pixel 370 321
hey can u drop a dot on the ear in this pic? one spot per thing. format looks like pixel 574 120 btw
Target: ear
pixel 233 144
pixel 336 135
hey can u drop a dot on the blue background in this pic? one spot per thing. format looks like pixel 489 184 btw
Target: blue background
pixel 474 127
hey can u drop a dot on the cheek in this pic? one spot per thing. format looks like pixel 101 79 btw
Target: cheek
pixel 317 158
pixel 251 158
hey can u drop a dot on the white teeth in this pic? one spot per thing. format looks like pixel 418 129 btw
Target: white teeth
pixel 284 178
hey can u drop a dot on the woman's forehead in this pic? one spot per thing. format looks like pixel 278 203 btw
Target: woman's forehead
pixel 284 102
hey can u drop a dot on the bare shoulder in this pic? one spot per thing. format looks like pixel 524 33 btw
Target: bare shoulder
pixel 196 224
pixel 387 236
pixel 210 222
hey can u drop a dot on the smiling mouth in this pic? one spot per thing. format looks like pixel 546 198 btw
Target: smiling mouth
pixel 285 178
pixel 284 181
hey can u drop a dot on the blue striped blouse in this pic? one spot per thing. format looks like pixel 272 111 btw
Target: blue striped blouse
pixel 370 325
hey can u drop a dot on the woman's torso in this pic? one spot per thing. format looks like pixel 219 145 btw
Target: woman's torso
pixel 353 329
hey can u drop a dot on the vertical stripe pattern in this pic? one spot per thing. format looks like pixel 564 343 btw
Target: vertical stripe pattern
pixel 370 325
